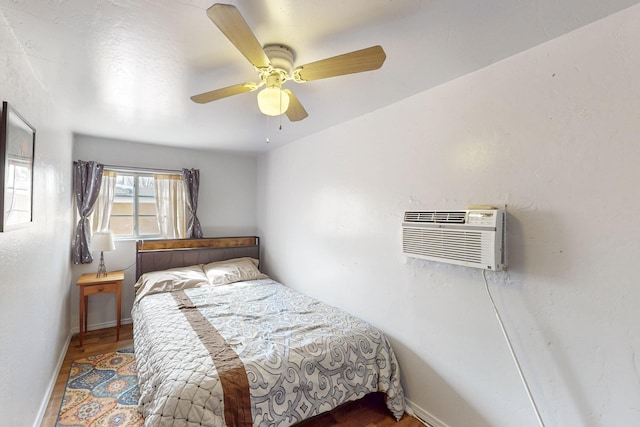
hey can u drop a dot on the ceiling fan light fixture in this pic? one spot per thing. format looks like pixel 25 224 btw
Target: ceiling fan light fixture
pixel 273 101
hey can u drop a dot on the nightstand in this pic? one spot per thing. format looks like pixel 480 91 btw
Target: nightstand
pixel 89 284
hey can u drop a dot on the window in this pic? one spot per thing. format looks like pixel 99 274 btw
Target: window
pixel 134 213
pixel 141 204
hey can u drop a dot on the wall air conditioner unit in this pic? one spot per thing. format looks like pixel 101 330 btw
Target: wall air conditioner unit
pixel 473 237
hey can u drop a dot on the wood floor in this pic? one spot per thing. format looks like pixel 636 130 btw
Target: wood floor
pixel 368 412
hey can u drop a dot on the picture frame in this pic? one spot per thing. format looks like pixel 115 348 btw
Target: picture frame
pixel 17 148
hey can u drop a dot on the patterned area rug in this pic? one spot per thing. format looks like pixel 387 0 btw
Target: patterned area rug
pixel 102 390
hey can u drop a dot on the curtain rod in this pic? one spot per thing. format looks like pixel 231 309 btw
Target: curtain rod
pixel 137 169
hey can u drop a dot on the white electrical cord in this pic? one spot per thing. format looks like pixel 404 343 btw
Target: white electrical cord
pixel 513 354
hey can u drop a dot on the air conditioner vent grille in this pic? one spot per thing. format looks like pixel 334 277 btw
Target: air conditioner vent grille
pixel 438 217
pixel 464 246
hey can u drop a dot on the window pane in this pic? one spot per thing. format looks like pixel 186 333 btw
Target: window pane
pixel 122 207
pixel 148 225
pixel 147 206
pixel 124 185
pixel 121 225
pixel 147 187
pixel 122 219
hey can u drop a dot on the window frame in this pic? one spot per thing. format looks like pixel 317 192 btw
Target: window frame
pixel 138 173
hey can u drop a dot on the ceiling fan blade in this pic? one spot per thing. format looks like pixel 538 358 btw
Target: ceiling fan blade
pixel 229 20
pixel 225 92
pixel 358 61
pixel 296 111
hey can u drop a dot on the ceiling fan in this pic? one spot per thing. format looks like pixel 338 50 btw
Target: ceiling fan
pixel 274 64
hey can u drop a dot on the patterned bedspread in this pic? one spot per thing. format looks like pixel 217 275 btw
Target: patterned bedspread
pixel 254 353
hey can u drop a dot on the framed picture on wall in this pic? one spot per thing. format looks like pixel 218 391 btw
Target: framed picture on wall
pixel 17 145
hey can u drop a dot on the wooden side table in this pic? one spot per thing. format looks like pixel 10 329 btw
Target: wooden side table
pixel 91 285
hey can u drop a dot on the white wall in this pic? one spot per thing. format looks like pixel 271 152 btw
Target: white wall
pixel 34 261
pixel 553 133
pixel 226 207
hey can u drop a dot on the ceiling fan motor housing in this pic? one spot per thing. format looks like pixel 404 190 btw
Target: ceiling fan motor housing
pixel 280 56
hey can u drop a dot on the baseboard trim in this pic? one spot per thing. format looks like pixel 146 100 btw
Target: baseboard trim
pixel 52 383
pixel 422 415
pixel 103 325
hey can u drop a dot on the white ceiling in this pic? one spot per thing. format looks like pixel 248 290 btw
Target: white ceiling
pixel 126 68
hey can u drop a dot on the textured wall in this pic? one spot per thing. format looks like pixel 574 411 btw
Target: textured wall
pixel 553 133
pixel 34 261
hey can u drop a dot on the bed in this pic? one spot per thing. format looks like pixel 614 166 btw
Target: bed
pixel 219 343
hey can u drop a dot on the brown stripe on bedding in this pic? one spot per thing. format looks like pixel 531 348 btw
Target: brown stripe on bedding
pixel 233 377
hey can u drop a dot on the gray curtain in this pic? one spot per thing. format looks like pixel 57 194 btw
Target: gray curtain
pixel 191 179
pixel 87 178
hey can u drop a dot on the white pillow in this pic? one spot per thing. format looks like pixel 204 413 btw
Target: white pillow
pixel 233 270
pixel 170 280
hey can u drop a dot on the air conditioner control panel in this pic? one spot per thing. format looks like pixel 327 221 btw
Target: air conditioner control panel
pixel 482 218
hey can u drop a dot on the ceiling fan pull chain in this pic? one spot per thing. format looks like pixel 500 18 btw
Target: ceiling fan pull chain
pixel 280 116
pixel 267 130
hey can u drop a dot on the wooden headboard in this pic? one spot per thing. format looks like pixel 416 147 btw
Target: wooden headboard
pixel 154 255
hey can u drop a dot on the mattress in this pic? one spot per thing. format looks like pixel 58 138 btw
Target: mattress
pixel 252 353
